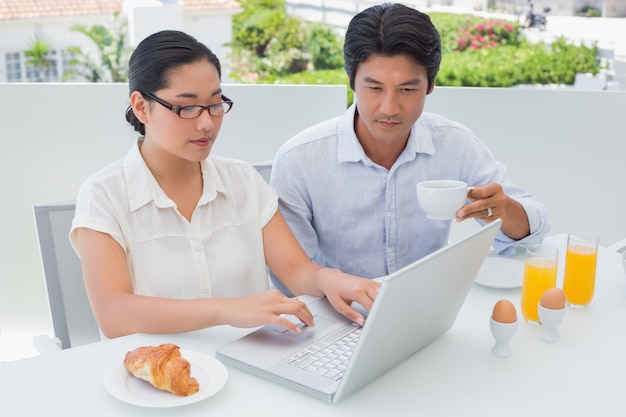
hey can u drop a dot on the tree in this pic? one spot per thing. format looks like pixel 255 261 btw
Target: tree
pixel 264 21
pixel 38 56
pixel 111 44
pixel 325 46
pixel 267 42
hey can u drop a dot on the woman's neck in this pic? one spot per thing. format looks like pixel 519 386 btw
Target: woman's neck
pixel 180 179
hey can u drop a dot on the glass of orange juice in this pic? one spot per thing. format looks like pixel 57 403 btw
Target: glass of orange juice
pixel 580 268
pixel 539 275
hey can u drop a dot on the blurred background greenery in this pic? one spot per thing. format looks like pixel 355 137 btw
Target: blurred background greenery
pixel 270 46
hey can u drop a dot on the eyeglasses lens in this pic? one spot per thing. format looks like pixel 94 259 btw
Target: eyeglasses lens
pixel 191 112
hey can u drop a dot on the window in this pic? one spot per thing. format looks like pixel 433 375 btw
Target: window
pixel 18 70
pixel 13 67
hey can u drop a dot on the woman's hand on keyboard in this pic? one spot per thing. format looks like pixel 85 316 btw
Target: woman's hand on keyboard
pixel 268 307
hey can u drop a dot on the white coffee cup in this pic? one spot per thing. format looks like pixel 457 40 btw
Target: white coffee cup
pixel 441 199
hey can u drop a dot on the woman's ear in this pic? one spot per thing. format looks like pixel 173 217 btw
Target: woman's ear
pixel 139 106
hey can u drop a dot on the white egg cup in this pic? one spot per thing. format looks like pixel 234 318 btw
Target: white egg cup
pixel 503 333
pixel 550 319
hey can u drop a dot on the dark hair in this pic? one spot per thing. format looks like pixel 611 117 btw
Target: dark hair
pixel 155 57
pixel 392 29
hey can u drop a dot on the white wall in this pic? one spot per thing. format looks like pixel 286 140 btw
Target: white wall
pixel 214 29
pixel 336 13
pixel 568 147
pixel 149 16
pixel 52 136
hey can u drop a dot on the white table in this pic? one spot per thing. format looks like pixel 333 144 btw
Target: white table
pixel 583 374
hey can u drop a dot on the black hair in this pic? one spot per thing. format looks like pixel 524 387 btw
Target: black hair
pixel 155 57
pixel 392 29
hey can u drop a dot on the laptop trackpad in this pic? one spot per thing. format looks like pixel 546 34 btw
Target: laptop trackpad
pixel 322 324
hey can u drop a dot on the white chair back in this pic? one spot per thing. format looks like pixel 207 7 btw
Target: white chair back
pixel 73 320
pixel 264 168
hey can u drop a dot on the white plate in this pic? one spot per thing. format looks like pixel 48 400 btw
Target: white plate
pixel 501 272
pixel 210 373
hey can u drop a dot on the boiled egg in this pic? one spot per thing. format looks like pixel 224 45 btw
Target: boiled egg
pixel 504 312
pixel 553 298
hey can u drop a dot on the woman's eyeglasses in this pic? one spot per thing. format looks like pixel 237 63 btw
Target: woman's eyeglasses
pixel 191 112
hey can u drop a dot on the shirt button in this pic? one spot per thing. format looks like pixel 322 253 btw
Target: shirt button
pixel 388 214
pixel 389 250
pixel 197 248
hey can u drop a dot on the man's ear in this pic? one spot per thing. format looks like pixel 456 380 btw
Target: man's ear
pixel 139 106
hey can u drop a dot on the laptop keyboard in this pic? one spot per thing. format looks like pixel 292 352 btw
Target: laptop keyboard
pixel 328 357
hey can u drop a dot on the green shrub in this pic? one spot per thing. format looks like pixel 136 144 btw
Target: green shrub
pixel 325 46
pixel 449 24
pixel 268 42
pixel 321 77
pixel 264 21
pixel 589 11
pixel 507 66
pixel 488 34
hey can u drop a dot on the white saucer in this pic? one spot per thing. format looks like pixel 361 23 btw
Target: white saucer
pixel 501 272
pixel 210 373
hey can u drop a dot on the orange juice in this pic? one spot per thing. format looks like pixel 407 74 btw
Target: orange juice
pixel 539 276
pixel 580 274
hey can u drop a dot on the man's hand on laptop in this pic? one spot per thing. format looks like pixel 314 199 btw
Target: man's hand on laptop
pixel 343 289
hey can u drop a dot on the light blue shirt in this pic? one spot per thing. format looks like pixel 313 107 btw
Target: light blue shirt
pixel 349 213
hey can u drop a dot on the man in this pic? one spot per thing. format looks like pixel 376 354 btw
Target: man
pixel 347 185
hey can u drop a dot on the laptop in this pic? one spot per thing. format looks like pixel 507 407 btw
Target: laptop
pixel 425 296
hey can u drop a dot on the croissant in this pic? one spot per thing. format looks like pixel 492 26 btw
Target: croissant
pixel 163 367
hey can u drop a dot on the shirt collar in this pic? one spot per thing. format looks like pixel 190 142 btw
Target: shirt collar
pixel 143 188
pixel 212 184
pixel 349 148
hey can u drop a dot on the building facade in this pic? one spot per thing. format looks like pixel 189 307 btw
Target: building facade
pixel 23 22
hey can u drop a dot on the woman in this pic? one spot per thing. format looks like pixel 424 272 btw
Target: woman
pixel 172 239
